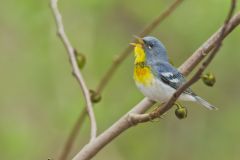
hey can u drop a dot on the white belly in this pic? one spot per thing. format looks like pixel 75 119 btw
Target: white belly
pixel 160 92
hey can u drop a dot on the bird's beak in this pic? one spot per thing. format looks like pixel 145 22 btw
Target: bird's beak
pixel 133 44
pixel 138 41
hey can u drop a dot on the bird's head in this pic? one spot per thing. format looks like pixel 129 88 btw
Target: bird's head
pixel 149 49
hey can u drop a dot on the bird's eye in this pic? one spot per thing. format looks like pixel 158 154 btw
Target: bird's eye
pixel 150 46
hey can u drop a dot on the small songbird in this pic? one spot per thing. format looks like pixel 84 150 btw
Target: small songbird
pixel 156 78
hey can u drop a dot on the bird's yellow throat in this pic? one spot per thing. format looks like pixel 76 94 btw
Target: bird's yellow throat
pixel 142 72
pixel 139 53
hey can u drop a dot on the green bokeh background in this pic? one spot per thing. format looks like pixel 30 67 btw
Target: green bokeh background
pixel 40 100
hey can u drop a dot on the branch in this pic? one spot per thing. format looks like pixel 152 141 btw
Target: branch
pixel 105 79
pixel 75 70
pixel 112 132
pixel 124 123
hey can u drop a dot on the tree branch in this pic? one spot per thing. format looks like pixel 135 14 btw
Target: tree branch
pixel 112 132
pixel 75 70
pixel 124 123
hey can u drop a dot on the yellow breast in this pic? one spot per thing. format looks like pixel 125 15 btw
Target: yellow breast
pixel 143 75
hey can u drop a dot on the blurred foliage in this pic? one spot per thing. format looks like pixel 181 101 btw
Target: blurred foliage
pixel 40 100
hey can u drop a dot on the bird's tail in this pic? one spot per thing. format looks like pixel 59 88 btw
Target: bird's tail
pixel 205 103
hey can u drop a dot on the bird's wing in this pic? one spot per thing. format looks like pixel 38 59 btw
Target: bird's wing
pixel 171 76
pixel 174 80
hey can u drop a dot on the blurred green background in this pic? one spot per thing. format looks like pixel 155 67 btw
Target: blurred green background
pixel 40 100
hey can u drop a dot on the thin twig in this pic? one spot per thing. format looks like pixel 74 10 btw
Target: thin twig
pixel 75 70
pixel 105 79
pixel 124 123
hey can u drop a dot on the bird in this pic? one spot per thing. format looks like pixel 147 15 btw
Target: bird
pixel 155 76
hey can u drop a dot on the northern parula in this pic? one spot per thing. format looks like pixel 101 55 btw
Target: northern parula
pixel 155 77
